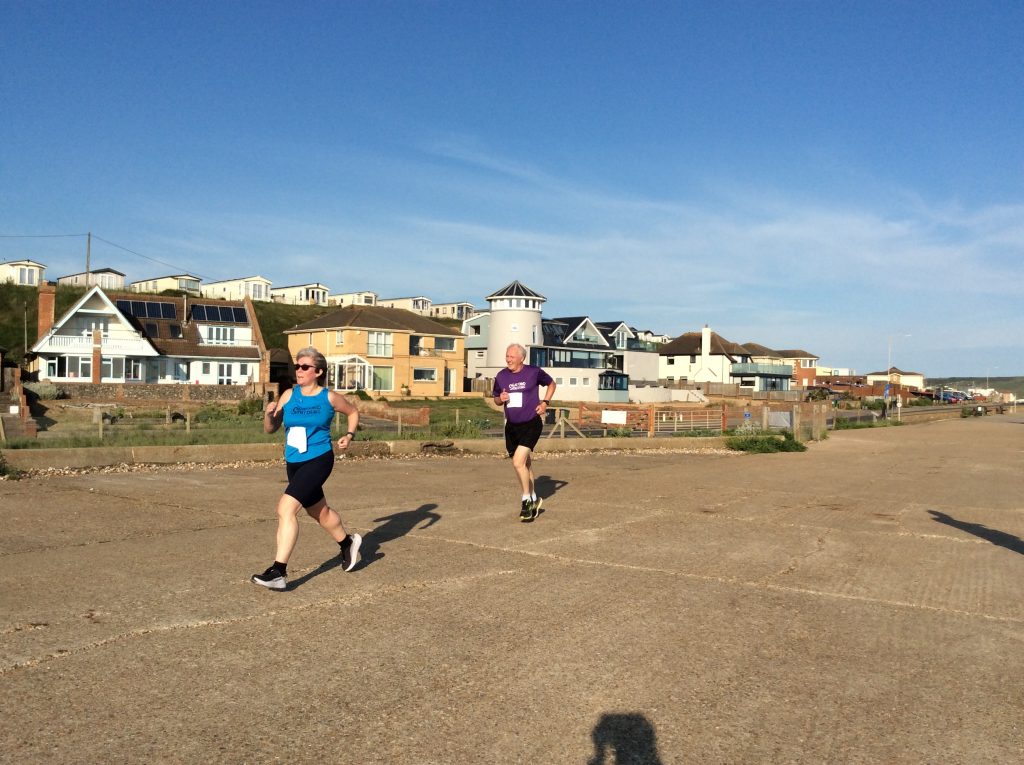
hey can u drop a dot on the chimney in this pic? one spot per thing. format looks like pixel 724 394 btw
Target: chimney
pixel 47 300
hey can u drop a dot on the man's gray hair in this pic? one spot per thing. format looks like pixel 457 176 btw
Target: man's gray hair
pixel 520 348
pixel 318 359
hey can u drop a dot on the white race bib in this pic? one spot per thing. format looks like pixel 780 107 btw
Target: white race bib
pixel 515 399
pixel 297 438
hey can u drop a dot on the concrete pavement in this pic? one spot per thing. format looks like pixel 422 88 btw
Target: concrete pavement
pixel 857 603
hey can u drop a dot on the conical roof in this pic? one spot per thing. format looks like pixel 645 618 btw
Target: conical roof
pixel 516 289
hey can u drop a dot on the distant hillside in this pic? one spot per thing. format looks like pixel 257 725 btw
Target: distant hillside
pixel 275 318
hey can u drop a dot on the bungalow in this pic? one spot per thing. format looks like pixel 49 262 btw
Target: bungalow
pixel 256 288
pixel 352 298
pixel 27 273
pixel 301 294
pixel 418 304
pixel 460 311
pixel 186 283
pixel 385 350
pixel 122 338
pixel 104 278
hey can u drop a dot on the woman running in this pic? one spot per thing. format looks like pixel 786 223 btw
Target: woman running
pixel 307 410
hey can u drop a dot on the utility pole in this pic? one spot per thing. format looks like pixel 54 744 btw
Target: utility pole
pixel 88 252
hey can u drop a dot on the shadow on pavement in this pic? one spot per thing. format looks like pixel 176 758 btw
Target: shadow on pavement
pixel 547 486
pixel 629 738
pixel 998 538
pixel 394 526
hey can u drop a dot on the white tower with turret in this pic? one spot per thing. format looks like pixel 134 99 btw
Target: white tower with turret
pixel 515 318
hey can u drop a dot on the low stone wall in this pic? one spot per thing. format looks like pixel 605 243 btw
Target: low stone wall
pixel 116 392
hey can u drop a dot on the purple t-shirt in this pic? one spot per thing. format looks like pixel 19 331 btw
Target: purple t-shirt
pixel 522 387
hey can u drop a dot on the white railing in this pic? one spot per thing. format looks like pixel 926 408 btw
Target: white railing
pixel 84 344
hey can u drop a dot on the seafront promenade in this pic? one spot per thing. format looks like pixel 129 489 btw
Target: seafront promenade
pixel 855 603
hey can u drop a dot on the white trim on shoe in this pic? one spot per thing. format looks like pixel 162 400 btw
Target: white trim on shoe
pixel 353 552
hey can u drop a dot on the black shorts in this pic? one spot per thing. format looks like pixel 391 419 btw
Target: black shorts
pixel 306 479
pixel 523 434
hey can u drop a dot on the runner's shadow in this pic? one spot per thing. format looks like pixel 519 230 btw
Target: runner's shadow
pixel 628 738
pixel 394 526
pixel 998 538
pixel 323 568
pixel 546 486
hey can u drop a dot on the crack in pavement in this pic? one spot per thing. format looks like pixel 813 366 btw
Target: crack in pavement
pixel 344 601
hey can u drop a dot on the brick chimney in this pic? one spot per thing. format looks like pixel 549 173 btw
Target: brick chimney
pixel 47 300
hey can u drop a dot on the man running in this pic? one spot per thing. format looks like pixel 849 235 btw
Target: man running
pixel 515 387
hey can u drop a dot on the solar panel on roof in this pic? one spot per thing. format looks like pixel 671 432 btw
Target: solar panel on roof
pixel 167 310
pixel 199 312
pixel 138 308
pixel 125 307
pixel 153 310
pixel 239 315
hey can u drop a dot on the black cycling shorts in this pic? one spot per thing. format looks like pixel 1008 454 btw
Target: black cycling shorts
pixel 523 434
pixel 306 479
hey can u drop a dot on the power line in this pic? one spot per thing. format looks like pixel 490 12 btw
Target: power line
pixel 139 254
pixel 105 241
pixel 36 236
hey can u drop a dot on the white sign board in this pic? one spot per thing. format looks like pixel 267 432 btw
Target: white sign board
pixel 613 416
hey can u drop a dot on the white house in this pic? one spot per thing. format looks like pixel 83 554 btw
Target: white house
pixel 105 278
pixel 301 294
pixel 352 298
pixel 27 273
pixel 178 282
pixel 460 311
pixel 418 304
pixel 256 288
pixel 128 338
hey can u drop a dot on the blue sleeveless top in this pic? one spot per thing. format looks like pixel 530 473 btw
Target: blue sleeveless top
pixel 315 414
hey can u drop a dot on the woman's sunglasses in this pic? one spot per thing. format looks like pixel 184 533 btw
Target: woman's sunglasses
pixel 305 367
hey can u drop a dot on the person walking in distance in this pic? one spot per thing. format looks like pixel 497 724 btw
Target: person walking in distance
pixel 307 410
pixel 516 388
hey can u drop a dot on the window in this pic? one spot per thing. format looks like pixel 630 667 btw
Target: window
pixel 383 378
pixel 112 368
pixel 693 358
pixel 368 299
pixel 380 344
pixel 444 343
pixel 152 329
pixel 558 381
pixel 479 354
pixel 339 337
pixel 474 330
pixel 223 374
pixel 424 375
pixel 175 330
pixel 206 367
pixel 586 381
pixel 572 381
pixel 133 370
pixel 243 370
pixel 26 275
pixel 221 335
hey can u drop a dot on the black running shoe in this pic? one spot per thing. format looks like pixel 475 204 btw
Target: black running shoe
pixel 271 578
pixel 526 513
pixel 350 551
pixel 536 506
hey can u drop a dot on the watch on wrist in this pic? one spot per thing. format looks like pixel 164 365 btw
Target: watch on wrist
pixel 351 435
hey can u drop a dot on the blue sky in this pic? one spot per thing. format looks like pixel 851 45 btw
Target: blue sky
pixel 840 177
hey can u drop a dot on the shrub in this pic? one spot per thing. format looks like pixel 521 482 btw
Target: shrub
pixel 44 391
pixel 763 443
pixel 250 406
pixel 620 433
pixel 7 471
pixel 461 429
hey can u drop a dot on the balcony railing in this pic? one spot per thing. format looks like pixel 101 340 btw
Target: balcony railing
pixel 770 370
pixel 84 344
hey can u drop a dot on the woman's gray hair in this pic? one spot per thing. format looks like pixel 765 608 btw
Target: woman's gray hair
pixel 319 361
